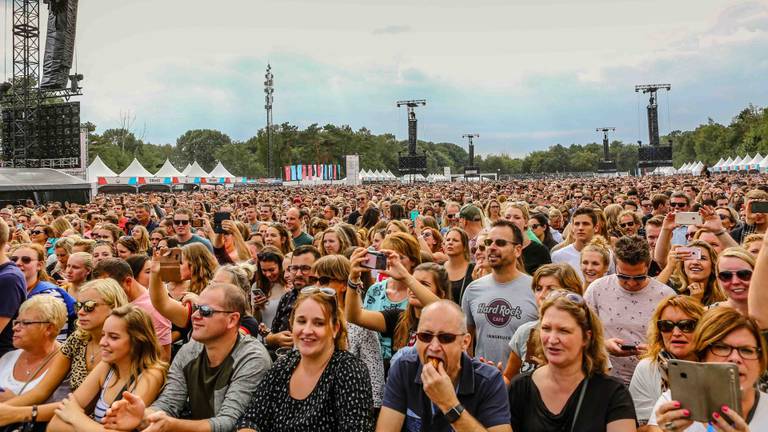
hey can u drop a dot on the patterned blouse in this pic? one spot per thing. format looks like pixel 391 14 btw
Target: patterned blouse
pixel 341 401
pixel 75 350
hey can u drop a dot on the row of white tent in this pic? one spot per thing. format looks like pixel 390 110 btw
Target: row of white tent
pixel 371 176
pixel 368 176
pixel 747 163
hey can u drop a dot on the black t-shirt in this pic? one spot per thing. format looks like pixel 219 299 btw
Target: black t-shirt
pixel 605 401
pixel 535 255
pixel 458 286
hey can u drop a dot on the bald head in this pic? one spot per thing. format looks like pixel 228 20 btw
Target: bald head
pixel 448 313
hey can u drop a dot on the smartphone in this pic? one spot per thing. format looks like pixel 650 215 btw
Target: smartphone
pixel 688 218
pixel 694 253
pixel 703 388
pixel 19 226
pixel 170 266
pixel 758 206
pixel 628 347
pixel 414 214
pixel 258 293
pixel 218 218
pixel 375 260
pixel 197 223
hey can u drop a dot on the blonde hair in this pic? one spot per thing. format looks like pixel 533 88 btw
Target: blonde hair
pixel 717 323
pixel 599 245
pixel 336 267
pixel 59 225
pixel 202 265
pixel 143 241
pixel 740 253
pixel 688 305
pixel 145 347
pixel 713 293
pixel 110 291
pixel 50 309
pixel 564 273
pixel 87 259
pixel 42 275
pixel 403 244
pixel 344 242
pixel 594 357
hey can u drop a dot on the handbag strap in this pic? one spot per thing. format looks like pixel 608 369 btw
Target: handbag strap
pixel 578 404
pixel 39 368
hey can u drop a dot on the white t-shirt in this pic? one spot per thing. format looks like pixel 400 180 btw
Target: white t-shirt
pixel 645 388
pixel 569 255
pixel 759 420
pixel 7 381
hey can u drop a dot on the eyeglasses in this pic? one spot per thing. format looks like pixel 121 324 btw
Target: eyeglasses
pixel 534 226
pixel 727 276
pixel 181 222
pixel 36 232
pixel 685 326
pixel 450 215
pixel 303 268
pixel 626 278
pixel 443 338
pixel 102 237
pixel 627 224
pixel 678 204
pixel 24 323
pixel 498 242
pixel 206 311
pixel 88 305
pixel 24 259
pixel 746 352
pixel 328 292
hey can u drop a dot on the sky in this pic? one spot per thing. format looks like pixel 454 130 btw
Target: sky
pixel 523 74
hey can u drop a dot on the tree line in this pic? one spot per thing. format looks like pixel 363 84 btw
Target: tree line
pixel 746 133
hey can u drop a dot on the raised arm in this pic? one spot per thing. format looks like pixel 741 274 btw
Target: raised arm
pixel 758 290
pixel 168 307
pixel 353 307
pixel 664 241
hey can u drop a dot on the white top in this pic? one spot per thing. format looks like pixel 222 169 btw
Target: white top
pixel 7 381
pixel 570 256
pixel 759 420
pixel 645 388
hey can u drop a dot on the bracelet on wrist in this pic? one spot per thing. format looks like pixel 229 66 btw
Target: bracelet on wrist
pixel 355 285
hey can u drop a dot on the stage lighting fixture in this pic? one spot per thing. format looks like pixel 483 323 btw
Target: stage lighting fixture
pixel 75 82
pixel 4 88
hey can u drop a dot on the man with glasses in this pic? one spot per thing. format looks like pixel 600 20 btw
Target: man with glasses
pixel 212 377
pixel 498 303
pixel 13 292
pixel 301 269
pixel 625 302
pixel 451 219
pixel 438 387
pixel 182 226
pixel 362 206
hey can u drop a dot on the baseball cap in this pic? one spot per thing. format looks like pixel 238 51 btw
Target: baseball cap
pixel 471 213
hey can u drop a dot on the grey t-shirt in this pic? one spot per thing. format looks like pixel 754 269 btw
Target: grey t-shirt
pixel 496 310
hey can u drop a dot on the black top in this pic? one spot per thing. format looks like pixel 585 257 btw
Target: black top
pixel 341 400
pixel 605 401
pixel 458 286
pixel 535 255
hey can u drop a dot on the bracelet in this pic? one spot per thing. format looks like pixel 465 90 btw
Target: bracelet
pixel 354 286
pixel 34 414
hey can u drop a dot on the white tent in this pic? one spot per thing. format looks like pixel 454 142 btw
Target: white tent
pixel 716 167
pixel 754 164
pixel 196 171
pixel 390 176
pixel 135 170
pixel 683 169
pixel 97 169
pixel 185 171
pixel 697 168
pixel 764 165
pixel 220 171
pixel 168 170
pixel 734 165
pixel 744 164
pixel 725 166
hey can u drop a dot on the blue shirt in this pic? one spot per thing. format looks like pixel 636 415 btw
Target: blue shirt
pixel 13 292
pixel 43 287
pixel 480 390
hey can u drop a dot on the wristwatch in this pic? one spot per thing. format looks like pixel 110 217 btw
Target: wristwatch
pixel 454 413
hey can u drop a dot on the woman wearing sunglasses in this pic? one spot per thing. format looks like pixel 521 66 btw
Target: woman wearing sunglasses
pixel 29 258
pixel 734 271
pixel 332 271
pixel 571 391
pixel 78 356
pixel 319 385
pixel 669 337
pixel 723 335
pixel 547 279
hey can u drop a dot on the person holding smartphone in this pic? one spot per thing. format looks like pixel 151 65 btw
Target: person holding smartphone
pixel 723 335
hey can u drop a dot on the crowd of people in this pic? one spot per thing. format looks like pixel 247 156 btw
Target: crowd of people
pixel 524 306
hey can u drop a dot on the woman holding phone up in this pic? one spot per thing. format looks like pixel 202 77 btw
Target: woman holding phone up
pixel 723 335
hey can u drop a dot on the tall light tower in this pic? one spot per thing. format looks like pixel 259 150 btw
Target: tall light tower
pixel 471 170
pixel 606 165
pixel 269 91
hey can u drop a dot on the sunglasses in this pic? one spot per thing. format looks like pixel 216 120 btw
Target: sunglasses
pixel 88 305
pixel 685 326
pixel 36 232
pixel 206 311
pixel 328 292
pixel 678 204
pixel 324 280
pixel 727 276
pixel 443 338
pixel 480 247
pixel 24 259
pixel 450 215
pixel 181 222
pixel 627 224
pixel 626 278
pixel 498 242
pixel 534 226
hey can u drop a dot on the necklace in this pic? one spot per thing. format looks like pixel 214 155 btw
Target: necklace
pixel 92 357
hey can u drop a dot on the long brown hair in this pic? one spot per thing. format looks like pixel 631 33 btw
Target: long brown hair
pixel 408 317
pixel 145 348
pixel 202 265
pixel 332 312
pixel 713 293
pixel 717 323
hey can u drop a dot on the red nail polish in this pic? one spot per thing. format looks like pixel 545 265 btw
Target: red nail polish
pixel 686 413
pixel 716 415
pixel 677 404
pixel 725 408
